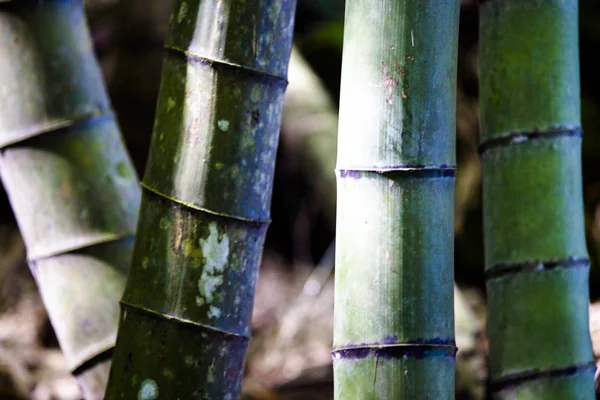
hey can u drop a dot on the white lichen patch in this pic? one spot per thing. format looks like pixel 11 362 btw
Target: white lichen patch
pixel 223 125
pixel 148 390
pixel 214 312
pixel 216 253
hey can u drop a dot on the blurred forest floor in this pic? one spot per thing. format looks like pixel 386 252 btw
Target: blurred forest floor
pixel 289 357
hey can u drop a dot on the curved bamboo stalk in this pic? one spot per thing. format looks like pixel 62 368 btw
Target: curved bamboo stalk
pixel 187 307
pixel 535 251
pixel 68 177
pixel 394 325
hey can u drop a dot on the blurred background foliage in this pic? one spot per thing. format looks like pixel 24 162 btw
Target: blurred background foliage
pixel 292 324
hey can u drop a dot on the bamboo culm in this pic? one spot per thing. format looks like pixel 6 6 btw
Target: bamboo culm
pixel 394 325
pixel 310 122
pixel 187 307
pixel 535 251
pixel 68 177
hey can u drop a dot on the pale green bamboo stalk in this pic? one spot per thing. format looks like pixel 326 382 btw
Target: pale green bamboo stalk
pixel 535 251
pixel 187 307
pixel 394 325
pixel 310 125
pixel 68 177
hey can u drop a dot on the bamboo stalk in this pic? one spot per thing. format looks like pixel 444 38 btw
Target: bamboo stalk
pixel 310 123
pixel 394 325
pixel 187 306
pixel 535 252
pixel 68 177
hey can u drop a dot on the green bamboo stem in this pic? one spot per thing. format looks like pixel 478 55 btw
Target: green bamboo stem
pixel 187 306
pixel 68 177
pixel 394 325
pixel 310 122
pixel 535 251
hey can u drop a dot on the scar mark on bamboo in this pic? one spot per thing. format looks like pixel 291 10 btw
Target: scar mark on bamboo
pixel 389 84
pixel 391 81
pixel 375 370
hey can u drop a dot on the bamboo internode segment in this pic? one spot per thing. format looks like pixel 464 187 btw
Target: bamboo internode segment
pixel 187 308
pixel 68 176
pixel 535 252
pixel 394 326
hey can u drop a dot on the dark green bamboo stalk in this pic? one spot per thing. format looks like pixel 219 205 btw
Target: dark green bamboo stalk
pixel 68 177
pixel 394 325
pixel 535 251
pixel 187 307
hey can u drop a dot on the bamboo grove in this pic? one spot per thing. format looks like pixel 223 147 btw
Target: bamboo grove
pixel 186 286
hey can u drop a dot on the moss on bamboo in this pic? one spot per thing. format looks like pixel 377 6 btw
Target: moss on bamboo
pixel 536 258
pixel 187 307
pixel 68 177
pixel 394 327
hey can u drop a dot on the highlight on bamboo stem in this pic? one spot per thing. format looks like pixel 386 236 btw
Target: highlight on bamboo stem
pixel 186 310
pixel 394 325
pixel 535 251
pixel 68 176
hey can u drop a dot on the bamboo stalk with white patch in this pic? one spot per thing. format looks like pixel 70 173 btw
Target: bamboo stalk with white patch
pixel 68 177
pixel 394 325
pixel 187 307
pixel 535 250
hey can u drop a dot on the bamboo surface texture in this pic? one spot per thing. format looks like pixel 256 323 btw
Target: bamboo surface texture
pixel 394 326
pixel 535 250
pixel 187 307
pixel 68 177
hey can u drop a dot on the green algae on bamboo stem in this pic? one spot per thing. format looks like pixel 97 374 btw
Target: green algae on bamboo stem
pixel 394 326
pixel 187 306
pixel 535 250
pixel 68 177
